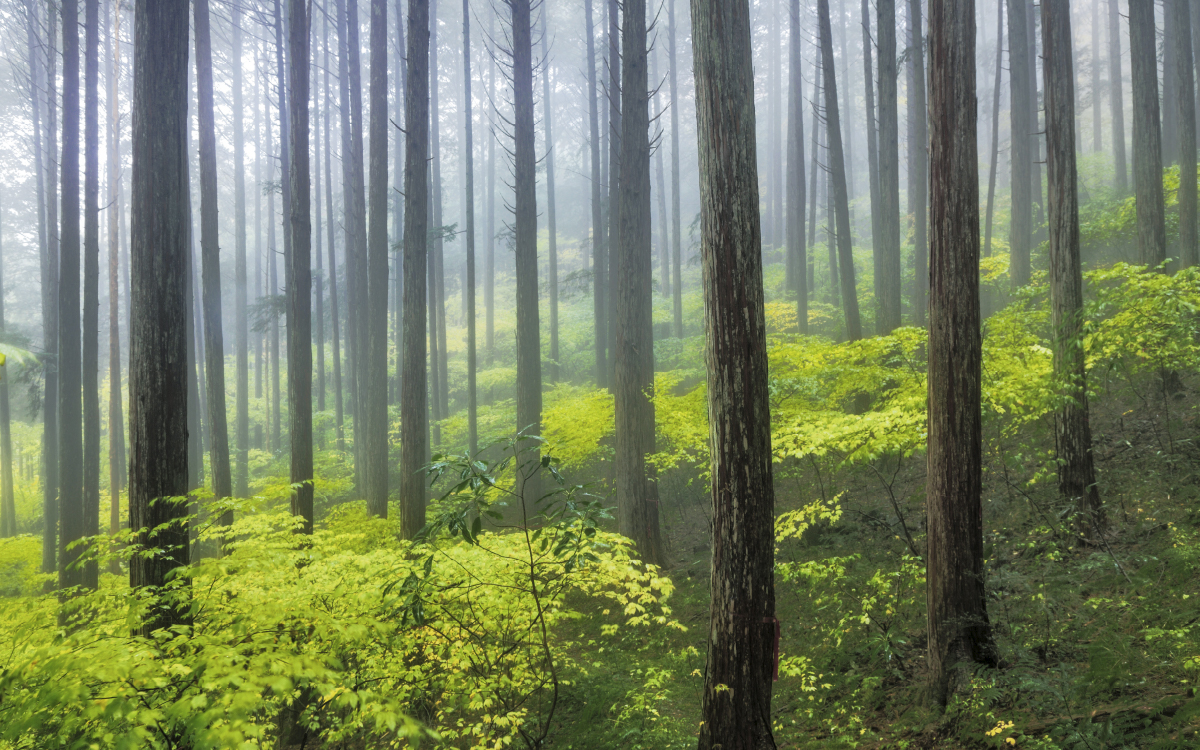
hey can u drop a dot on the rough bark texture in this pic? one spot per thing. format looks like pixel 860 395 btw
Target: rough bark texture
pixel 1185 94
pixel 796 245
pixel 887 280
pixel 1170 79
pixel 90 366
pixel 1116 97
pixel 469 205
pixel 375 414
pixel 994 163
pixel 918 170
pixel 676 262
pixel 599 247
pixel 614 182
pixel 414 419
pixel 958 624
pixel 1073 434
pixel 241 473
pixel 299 274
pixel 840 195
pixel 1020 228
pixel 742 627
pixel 158 335
pixel 637 488
pixel 1147 138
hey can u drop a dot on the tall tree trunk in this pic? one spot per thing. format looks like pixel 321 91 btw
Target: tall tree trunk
pixel 599 246
pixel 335 319
pixel 614 182
pixel 1185 95
pixel 318 276
pixel 1097 90
pixel 887 283
pixel 489 263
pixel 918 169
pixel 1020 231
pixel 637 488
pixel 90 368
pixel 349 217
pixel 995 156
pixel 375 415
pixel 837 171
pixel 1035 130
pixel 1073 434
pixel 398 200
pixel 1170 84
pixel 551 223
pixel 743 630
pixel 241 474
pixel 285 195
pixel 959 631
pixel 797 249
pixel 158 337
pixel 8 506
pixel 299 280
pixel 1116 96
pixel 210 259
pixel 414 424
pixel 72 507
pixel 438 361
pixel 877 250
pixel 469 205
pixel 813 186
pixel 1147 138
pixel 676 261
pixel 660 188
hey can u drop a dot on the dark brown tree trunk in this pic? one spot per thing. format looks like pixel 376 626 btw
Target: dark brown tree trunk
pixel 298 275
pixel 1185 78
pixel 1147 138
pixel 676 261
pixel 797 247
pixel 1116 96
pixel 1020 231
pixel 837 171
pixel 160 257
pixel 1073 438
pixel 375 413
pixel 241 474
pixel 637 488
pixel 959 631
pixel 743 630
pixel 414 424
pixel 887 281
pixel 599 246
pixel 90 369
pixel 469 205
pixel 918 169
pixel 551 223
pixel 72 507
pixel 210 260
pixel 995 156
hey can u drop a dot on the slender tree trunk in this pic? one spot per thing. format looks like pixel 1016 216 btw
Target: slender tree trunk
pixel 438 361
pixel 286 207
pixel 837 170
pixel 90 369
pixel 1170 84
pixel 995 158
pixel 637 488
pixel 918 170
pixel 489 265
pixel 1034 129
pixel 676 261
pixel 299 280
pixel 1073 434
pixel 887 284
pixel 599 247
pixel 398 199
pixel 1116 96
pixel 375 415
pixel 469 205
pixel 660 189
pixel 414 424
pixel 877 250
pixel 241 474
pixel 8 506
pixel 335 320
pixel 158 337
pixel 959 631
pixel 813 186
pixel 1020 231
pixel 551 224
pixel 72 506
pixel 318 277
pixel 1185 78
pixel 1097 89
pixel 743 629
pixel 210 258
pixel 614 182
pixel 797 249
pixel 349 220
pixel 1147 140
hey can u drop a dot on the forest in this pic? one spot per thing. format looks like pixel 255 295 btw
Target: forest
pixel 731 374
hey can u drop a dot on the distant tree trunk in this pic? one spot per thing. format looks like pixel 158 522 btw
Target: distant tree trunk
pixel 1147 141
pixel 660 187
pixel 959 631
pixel 1170 84
pixel 773 226
pixel 398 201
pixel 285 203
pixel 195 353
pixel 1116 95
pixel 551 224
pixel 813 185
pixel 1185 78
pixel 335 335
pixel 797 249
pixel 375 415
pixel 1034 129
pixel 210 259
pixel 299 280
pixel 469 205
pixel 599 248
pixel 318 276
pixel 1097 90
pixel 356 260
pixel 918 168
pixel 439 358
pixel 872 157
pixel 847 109
pixel 614 182
pixel 676 261
pixel 529 360
pixel 90 369
pixel 72 507
pixel 1073 439
pixel 414 424
pixel 837 170
pixel 241 474
pixel 743 629
pixel 887 282
pixel 637 488
pixel 489 263
pixel 158 337
pixel 349 217
pixel 1020 232
pixel 995 157
pixel 8 506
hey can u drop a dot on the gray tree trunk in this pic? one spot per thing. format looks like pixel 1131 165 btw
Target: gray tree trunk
pixel 614 181
pixel 241 472
pixel 469 206
pixel 1116 96
pixel 887 282
pixel 918 171
pixel 995 153
pixel 551 223
pixel 1170 84
pixel 116 421
pixel 1185 79
pixel 796 246
pixel 334 312
pixel 1020 231
pixel 375 414
pixel 1147 137
pixel 676 262
pixel 90 365
pixel 1097 89
pixel 599 247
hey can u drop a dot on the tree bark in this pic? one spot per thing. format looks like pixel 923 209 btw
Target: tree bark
pixel 1116 96
pixel 439 358
pixel 1097 90
pixel 90 369
pixel 334 312
pixel 614 183
pixel 959 631
pixel 743 626
pixel 995 157
pixel 1185 78
pixel 375 413
pixel 797 247
pixel 1147 138
pixel 599 246
pixel 676 261
pixel 241 474
pixel 637 488
pixel 1020 231
pixel 872 158
pixel 414 424
pixel 160 258
pixel 551 223
pixel 469 205
pixel 918 169
pixel 887 282
pixel 1073 434
pixel 1170 84
pixel 489 263
pixel 837 171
